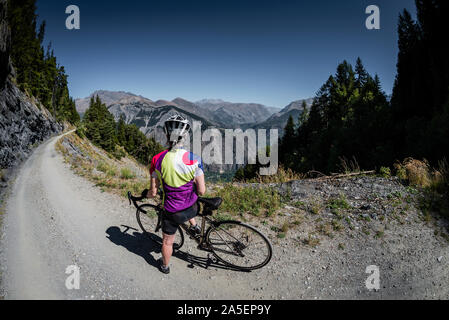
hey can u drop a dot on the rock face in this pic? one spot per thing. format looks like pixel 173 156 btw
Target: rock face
pixel 110 98
pixel 236 114
pixel 5 43
pixel 22 123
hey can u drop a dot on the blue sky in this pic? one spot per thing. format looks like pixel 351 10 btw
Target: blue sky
pixel 270 52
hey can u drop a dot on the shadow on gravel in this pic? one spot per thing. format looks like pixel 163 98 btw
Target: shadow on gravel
pixel 141 245
pixel 202 262
pixel 136 243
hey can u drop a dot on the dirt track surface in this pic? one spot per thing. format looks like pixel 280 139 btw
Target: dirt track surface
pixel 55 219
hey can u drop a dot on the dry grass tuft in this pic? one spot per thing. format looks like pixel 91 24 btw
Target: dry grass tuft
pixel 440 178
pixel 349 166
pixel 416 172
pixel 282 176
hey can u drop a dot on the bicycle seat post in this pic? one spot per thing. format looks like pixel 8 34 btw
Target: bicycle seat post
pixel 203 227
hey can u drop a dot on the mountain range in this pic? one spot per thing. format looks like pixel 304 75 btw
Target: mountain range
pixel 279 119
pixel 149 115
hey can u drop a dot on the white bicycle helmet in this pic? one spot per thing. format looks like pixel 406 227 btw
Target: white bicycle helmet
pixel 176 127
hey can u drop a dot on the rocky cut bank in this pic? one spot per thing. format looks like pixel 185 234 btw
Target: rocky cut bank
pixel 24 122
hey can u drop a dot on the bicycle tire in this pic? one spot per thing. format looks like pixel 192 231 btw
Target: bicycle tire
pixel 147 217
pixel 223 251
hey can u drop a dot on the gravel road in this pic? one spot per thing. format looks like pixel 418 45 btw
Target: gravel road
pixel 55 219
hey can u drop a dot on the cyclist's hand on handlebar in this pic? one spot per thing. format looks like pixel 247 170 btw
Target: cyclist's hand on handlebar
pixel 144 193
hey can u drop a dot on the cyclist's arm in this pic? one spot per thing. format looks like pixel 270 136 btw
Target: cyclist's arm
pixel 152 193
pixel 200 185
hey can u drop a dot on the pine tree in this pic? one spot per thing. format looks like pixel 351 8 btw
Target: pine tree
pixel 287 145
pixel 301 138
pixel 362 75
pixel 422 83
pixel 121 133
pixel 341 122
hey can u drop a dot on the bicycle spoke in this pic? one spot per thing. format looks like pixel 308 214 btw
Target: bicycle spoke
pixel 239 245
pixel 226 243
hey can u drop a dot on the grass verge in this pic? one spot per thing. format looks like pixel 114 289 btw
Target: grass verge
pixel 263 201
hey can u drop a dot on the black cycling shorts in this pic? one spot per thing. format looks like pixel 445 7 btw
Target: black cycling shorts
pixel 171 221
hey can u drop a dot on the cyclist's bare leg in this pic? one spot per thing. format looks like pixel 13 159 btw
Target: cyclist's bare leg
pixel 167 247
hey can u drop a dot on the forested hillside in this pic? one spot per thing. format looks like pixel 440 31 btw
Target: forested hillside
pixel 351 119
pixel 37 70
pixel 99 126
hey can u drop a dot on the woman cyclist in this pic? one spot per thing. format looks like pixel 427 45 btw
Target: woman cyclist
pixel 181 175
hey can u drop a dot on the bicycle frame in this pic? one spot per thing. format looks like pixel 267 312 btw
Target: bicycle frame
pixel 235 245
pixel 201 240
pixel 160 211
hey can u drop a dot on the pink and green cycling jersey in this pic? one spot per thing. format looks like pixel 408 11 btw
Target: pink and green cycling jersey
pixel 176 171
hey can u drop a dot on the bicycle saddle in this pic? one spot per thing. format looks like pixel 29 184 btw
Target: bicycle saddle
pixel 211 203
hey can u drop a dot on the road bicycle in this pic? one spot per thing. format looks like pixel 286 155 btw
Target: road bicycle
pixel 233 243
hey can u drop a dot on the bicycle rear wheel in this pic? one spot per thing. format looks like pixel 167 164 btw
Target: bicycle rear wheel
pixel 239 245
pixel 148 218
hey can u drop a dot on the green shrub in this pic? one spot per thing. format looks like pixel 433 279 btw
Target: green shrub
pixel 222 217
pixel 81 131
pixel 337 225
pixel 102 166
pixel 299 204
pixel 255 201
pixel 379 234
pixel 119 152
pixel 285 227
pixel 111 172
pixel 315 208
pixel 138 186
pixel 126 173
pixel 339 203
pixel 385 172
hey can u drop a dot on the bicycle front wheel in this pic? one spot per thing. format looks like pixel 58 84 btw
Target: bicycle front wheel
pixel 239 245
pixel 148 218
